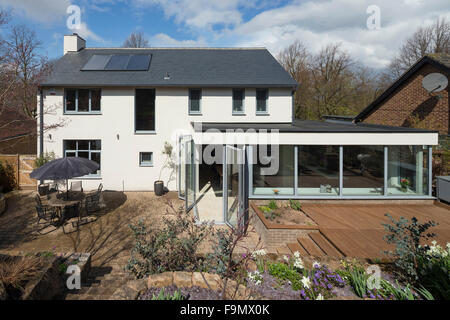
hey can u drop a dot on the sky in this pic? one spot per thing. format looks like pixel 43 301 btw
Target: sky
pixel 234 23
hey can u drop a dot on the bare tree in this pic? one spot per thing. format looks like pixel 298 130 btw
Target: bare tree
pixel 136 40
pixel 29 66
pixel 331 80
pixel 426 40
pixel 296 60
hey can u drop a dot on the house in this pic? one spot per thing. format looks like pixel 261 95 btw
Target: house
pixel 17 133
pixel 407 103
pixel 228 112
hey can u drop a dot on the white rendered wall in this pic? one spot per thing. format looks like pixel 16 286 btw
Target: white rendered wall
pixel 120 168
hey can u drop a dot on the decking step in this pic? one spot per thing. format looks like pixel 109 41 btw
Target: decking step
pixel 326 246
pixel 297 247
pixel 283 250
pixel 310 247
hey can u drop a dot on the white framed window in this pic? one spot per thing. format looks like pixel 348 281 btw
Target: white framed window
pixel 82 101
pixel 89 149
pixel 262 95
pixel 195 98
pixel 238 101
pixel 146 159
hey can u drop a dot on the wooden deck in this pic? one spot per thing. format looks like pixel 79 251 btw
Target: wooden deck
pixel 357 231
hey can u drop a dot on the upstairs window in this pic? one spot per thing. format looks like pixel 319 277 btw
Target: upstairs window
pixel 82 100
pixel 195 97
pixel 238 101
pixel 261 100
pixel 145 110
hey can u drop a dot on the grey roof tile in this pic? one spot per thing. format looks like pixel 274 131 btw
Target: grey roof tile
pixel 185 66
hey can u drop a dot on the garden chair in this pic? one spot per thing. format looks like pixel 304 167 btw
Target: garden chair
pixel 76 186
pixel 46 213
pixel 72 211
pixel 92 202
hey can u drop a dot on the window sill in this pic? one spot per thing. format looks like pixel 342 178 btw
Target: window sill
pixel 93 177
pixel 146 165
pixel 238 114
pixel 262 114
pixel 71 113
pixel 145 132
pixel 195 113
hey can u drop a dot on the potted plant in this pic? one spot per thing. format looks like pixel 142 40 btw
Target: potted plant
pixel 168 163
pixel 405 183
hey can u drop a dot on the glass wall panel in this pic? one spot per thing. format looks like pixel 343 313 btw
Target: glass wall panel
pixel 318 170
pixel 363 171
pixel 273 170
pixel 407 170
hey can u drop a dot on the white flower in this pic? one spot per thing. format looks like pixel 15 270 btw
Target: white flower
pixel 255 277
pixel 319 297
pixel 286 258
pixel 297 254
pixel 316 264
pixel 257 253
pixel 298 263
pixel 306 282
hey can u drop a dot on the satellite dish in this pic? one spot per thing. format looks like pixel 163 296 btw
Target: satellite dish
pixel 435 82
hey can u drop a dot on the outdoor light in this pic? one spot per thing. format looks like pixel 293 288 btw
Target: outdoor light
pixel 118 136
pixel 50 136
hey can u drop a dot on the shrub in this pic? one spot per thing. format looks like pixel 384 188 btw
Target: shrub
pixel 434 270
pixel 162 295
pixel 169 247
pixel 284 273
pixel 319 283
pixel 44 158
pixel 272 205
pixel 7 177
pixel 406 237
pixel 15 272
pixel 295 204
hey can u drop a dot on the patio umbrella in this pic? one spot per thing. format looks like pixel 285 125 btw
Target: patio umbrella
pixel 64 169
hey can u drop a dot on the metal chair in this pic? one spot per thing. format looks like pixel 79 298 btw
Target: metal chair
pixel 72 211
pixel 92 201
pixel 100 187
pixel 46 213
pixel 76 186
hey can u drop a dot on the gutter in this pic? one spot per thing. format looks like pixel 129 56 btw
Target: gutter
pixel 41 123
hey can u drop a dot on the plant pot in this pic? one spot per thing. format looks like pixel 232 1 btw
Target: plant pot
pixel 404 189
pixel 43 189
pixel 159 187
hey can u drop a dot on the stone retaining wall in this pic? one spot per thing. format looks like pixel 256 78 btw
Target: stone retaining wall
pixel 180 279
pixel 2 203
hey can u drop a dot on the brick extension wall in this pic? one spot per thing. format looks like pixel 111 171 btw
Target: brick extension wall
pixel 412 99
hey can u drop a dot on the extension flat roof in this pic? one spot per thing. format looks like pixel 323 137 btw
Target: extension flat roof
pixel 311 126
pixel 194 67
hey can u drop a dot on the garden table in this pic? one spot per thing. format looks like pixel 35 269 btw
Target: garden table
pixel 62 201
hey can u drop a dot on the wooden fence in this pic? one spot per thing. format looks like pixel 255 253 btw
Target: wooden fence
pixel 22 164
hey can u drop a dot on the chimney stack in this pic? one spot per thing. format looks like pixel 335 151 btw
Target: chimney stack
pixel 73 43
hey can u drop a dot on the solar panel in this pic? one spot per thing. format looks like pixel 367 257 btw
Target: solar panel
pixel 118 62
pixel 139 62
pixel 97 62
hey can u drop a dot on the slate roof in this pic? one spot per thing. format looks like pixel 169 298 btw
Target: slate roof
pixel 313 126
pixel 202 67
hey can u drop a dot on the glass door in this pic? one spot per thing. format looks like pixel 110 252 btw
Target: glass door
pixel 236 187
pixel 190 174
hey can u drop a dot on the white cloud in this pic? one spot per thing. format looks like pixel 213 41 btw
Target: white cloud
pixel 164 40
pixel 86 33
pixel 42 10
